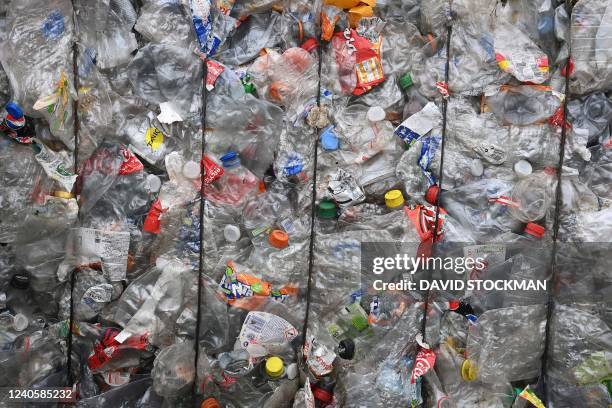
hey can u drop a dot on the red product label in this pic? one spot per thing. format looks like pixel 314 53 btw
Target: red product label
pixel 212 171
pixel 368 66
pixel 151 222
pixel 425 360
pixel 214 69
pixel 130 163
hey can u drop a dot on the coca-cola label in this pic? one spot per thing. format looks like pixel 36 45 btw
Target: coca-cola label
pixel 424 362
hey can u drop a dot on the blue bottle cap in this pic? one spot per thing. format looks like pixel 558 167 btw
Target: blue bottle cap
pixel 230 159
pixel 14 110
pixel 329 140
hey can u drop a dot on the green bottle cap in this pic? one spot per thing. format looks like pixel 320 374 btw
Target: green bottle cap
pixel 327 209
pixel 249 88
pixel 405 81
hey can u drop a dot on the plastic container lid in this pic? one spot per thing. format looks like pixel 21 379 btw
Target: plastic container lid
pixel 376 114
pixel 20 322
pixel 191 170
pixel 310 44
pixel 394 199
pixel 14 110
pixel 534 229
pixel 274 366
pixel 346 349
pixel 405 81
pixel 231 233
pixel 278 239
pixel 230 159
pixel 476 168
pixel 432 194
pixel 210 403
pixel 321 394
pixel 153 183
pixel 522 168
pixel 327 209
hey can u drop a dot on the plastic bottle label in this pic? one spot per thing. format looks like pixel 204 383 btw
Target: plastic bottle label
pixel 54 167
pixel 262 328
pixel 419 124
pixel 154 138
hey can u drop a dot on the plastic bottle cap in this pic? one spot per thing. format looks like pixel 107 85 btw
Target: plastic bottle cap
pixel 346 349
pixel 394 199
pixel 63 194
pixel 329 139
pixel 292 371
pixel 469 371
pixel 274 366
pixel 321 394
pixel 231 233
pixel 522 168
pixel 210 403
pixel 153 183
pixel 453 304
pixel 14 110
pixel 535 229
pixel 278 239
pixel 310 44
pixel 376 114
pixel 20 322
pixel 230 159
pixel 476 168
pixel 19 281
pixel 327 209
pixel 405 81
pixel 191 170
pixel 432 194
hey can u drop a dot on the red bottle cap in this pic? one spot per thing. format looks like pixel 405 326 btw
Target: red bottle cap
pixel 321 394
pixel 535 229
pixel 453 304
pixel 432 194
pixel 310 44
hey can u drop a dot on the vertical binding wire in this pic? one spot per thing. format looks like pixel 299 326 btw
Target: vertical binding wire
pixel 75 109
pixel 557 214
pixel 201 216
pixel 311 247
pixel 449 33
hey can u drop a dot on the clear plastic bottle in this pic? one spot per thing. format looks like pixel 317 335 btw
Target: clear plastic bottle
pixel 414 101
pixel 532 196
pixel 236 185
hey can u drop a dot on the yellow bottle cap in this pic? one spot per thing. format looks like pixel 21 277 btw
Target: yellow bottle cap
pixel 394 199
pixel 274 366
pixel 469 371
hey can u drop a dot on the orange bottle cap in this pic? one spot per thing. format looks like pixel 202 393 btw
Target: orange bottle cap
pixel 278 239
pixel 210 403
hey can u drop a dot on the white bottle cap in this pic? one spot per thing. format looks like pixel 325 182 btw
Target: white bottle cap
pixel 231 233
pixel 376 114
pixel 476 168
pixel 292 371
pixel 20 322
pixel 191 170
pixel 153 183
pixel 522 168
